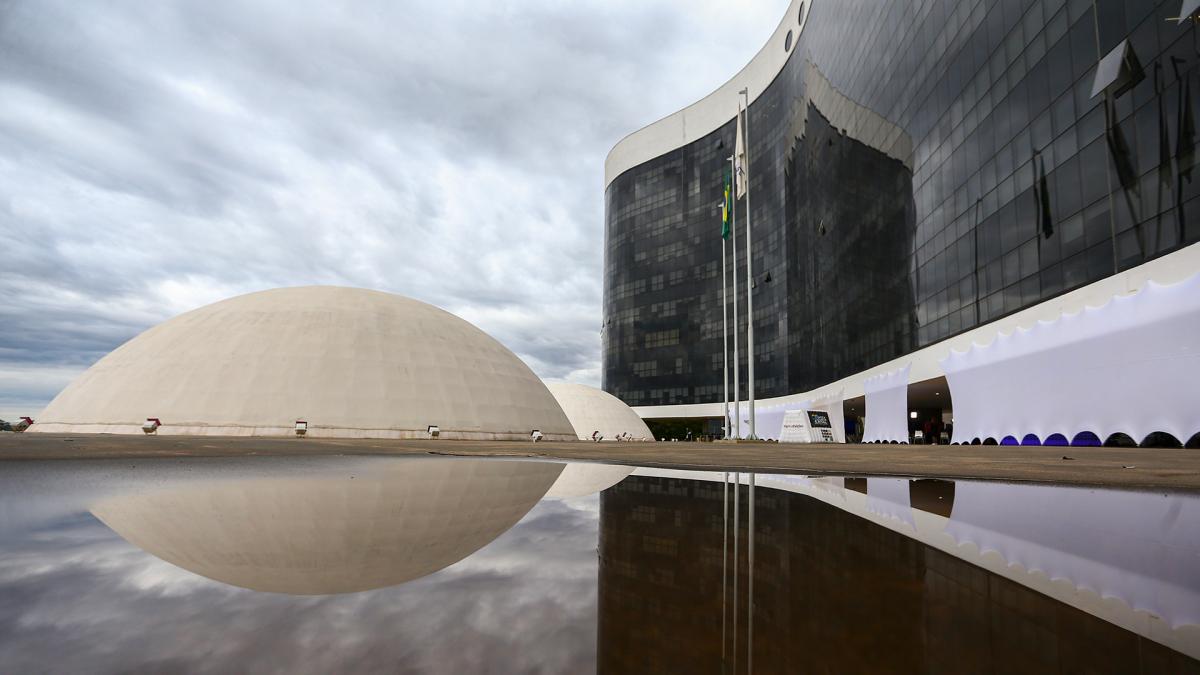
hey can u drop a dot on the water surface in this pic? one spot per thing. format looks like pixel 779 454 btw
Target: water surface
pixel 501 566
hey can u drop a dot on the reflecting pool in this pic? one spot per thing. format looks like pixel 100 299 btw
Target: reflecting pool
pixel 447 565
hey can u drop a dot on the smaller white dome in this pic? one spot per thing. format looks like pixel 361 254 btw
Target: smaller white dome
pixel 591 410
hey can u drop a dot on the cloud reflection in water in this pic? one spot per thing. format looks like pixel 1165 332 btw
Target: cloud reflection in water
pixel 80 598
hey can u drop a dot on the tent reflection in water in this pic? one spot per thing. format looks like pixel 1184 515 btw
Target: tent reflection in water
pixel 323 535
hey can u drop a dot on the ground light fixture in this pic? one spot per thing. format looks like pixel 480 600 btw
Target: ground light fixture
pixel 536 435
pixel 151 426
pixel 434 431
pixel 301 427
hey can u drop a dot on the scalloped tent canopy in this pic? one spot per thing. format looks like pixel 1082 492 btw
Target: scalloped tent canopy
pixel 352 363
pixel 1130 366
pixel 887 407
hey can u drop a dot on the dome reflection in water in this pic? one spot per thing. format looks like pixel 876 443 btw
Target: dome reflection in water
pixel 654 574
pixel 323 535
pixel 581 480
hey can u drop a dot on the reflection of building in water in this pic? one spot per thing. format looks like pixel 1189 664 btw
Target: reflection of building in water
pixel 834 593
pixel 660 576
pixel 336 534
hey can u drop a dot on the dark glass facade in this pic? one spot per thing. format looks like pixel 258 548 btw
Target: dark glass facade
pixel 918 169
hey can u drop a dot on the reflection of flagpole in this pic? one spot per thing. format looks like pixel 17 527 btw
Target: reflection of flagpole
pixel 724 556
pixel 750 583
pixel 749 273
pixel 737 481
pixel 737 384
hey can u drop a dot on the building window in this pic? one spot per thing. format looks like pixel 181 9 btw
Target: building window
pixel 645 368
pixel 662 338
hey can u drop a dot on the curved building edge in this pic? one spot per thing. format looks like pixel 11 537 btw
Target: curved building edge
pixel 709 113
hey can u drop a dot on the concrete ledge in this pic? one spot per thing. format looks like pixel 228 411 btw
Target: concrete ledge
pixel 1152 468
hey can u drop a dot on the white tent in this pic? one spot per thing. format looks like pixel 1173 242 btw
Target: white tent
pixel 887 406
pixel 768 419
pixel 1131 366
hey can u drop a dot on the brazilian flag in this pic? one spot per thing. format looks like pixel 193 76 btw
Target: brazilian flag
pixel 726 209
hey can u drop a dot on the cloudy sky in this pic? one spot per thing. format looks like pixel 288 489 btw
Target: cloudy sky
pixel 79 598
pixel 156 157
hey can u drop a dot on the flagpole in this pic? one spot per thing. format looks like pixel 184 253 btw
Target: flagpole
pixel 737 384
pixel 725 333
pixel 726 229
pixel 749 274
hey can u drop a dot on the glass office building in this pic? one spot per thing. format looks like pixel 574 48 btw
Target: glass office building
pixel 918 169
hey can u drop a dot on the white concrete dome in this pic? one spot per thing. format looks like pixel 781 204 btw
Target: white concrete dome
pixel 590 410
pixel 331 534
pixel 352 363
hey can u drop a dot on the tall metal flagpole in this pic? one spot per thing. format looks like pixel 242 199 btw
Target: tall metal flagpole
pixel 737 384
pixel 749 274
pixel 725 311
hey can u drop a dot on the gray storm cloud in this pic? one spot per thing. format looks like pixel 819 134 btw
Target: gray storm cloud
pixel 158 157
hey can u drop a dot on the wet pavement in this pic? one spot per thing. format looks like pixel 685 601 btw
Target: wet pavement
pixel 1154 468
pixel 463 565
